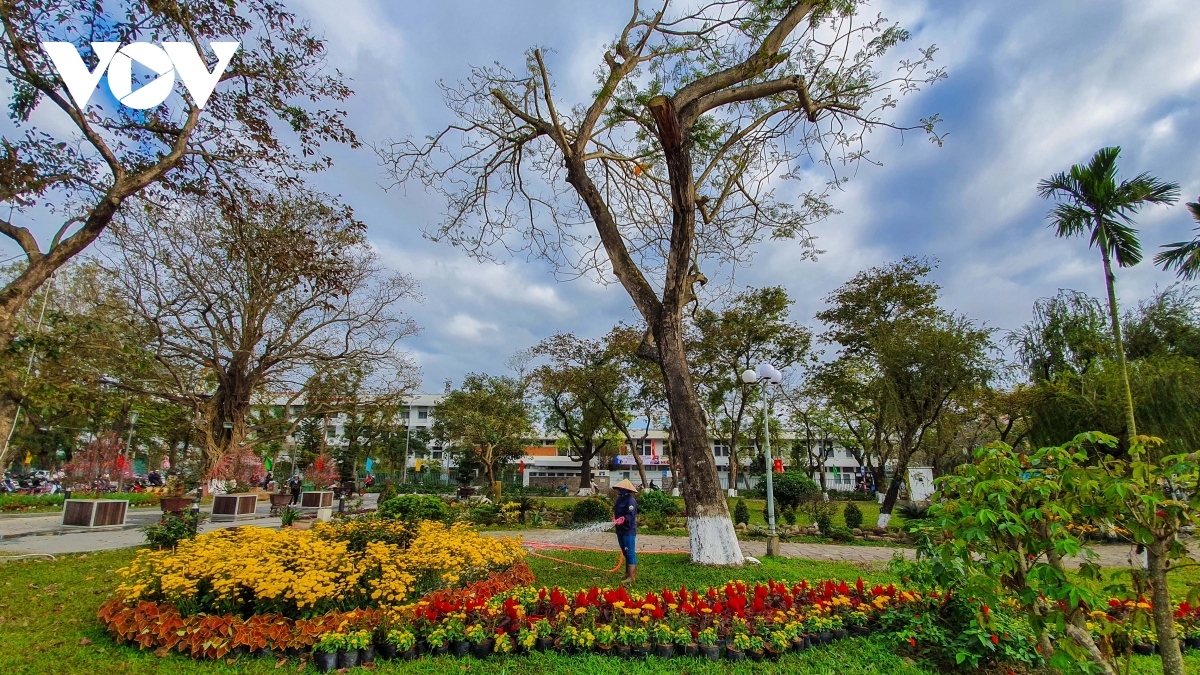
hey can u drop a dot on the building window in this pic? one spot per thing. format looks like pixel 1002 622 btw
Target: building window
pixel 437 454
pixel 720 450
pixel 422 414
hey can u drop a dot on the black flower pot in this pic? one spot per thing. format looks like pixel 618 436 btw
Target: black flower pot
pixel 240 650
pixel 860 631
pixel 622 651
pixel 734 655
pixel 366 655
pixel 1193 643
pixel 826 638
pixel 483 649
pixel 691 649
pixel 839 634
pixel 755 654
pixel 639 651
pixel 544 644
pixel 460 648
pixel 798 645
pixel 1143 650
pixel 386 650
pixel 409 655
pixel 266 653
pixel 664 651
pixel 711 652
pixel 772 654
pixel 325 661
pixel 348 659
pixel 441 651
pixel 604 651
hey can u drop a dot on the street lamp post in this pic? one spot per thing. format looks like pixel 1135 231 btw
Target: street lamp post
pixel 767 374
pixel 133 415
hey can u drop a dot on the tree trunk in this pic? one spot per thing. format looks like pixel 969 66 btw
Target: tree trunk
pixel 1110 283
pixel 8 418
pixel 585 465
pixel 713 538
pixel 893 492
pixel 1164 621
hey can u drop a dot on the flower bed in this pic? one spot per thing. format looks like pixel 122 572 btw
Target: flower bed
pixel 307 573
pixel 161 627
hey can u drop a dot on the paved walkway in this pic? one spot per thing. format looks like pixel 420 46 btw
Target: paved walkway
pixel 45 533
pixel 1110 555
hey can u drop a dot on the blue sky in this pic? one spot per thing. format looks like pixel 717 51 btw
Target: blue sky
pixel 1034 86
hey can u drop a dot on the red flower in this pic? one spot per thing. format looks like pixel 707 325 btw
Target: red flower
pixel 986 611
pixel 995 640
pixel 912 642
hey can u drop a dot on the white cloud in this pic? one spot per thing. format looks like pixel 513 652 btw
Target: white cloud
pixel 470 329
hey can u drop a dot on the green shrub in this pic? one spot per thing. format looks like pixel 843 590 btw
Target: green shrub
pixel 484 514
pixel 789 515
pixel 853 515
pixel 792 487
pixel 824 522
pixel 591 510
pixel 414 508
pixel 840 534
pixel 913 511
pixel 172 529
pixel 741 512
pixel 11 503
pixel 658 503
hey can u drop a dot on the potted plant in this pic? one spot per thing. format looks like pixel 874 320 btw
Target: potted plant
pixel 856 622
pixel 684 643
pixel 837 627
pixel 347 655
pixel 664 640
pixel 623 647
pixel 527 639
pixel 503 643
pixel 360 641
pixel 777 643
pixel 605 637
pixel 1144 642
pixel 545 634
pixel 736 650
pixel 639 644
pixel 288 516
pixel 438 642
pixel 481 642
pixel 456 636
pixel 401 643
pixel 756 648
pixel 325 651
pixel 173 500
pixel 708 644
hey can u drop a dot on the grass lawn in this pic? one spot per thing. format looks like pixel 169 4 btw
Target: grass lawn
pixel 48 625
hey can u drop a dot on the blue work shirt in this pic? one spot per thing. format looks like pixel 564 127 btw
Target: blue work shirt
pixel 626 506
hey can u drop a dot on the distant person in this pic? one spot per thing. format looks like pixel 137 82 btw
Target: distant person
pixel 296 487
pixel 625 520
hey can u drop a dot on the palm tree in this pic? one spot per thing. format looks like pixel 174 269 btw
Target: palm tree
pixel 1093 201
pixel 1183 256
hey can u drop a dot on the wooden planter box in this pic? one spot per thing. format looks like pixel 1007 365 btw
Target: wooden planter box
pixel 316 500
pixel 234 506
pixel 94 512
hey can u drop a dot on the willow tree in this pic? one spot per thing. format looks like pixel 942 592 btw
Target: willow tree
pixel 78 165
pixel 677 161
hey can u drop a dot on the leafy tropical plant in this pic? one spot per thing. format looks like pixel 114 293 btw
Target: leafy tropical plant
pixel 1183 256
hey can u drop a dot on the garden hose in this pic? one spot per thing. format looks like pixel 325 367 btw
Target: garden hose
pixel 6 558
pixel 620 557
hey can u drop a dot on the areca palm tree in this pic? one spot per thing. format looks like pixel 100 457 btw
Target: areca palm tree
pixel 1183 256
pixel 1093 201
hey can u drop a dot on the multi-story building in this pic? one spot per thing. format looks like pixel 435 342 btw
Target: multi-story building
pixel 547 464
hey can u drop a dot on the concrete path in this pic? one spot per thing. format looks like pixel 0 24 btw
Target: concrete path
pixel 1110 555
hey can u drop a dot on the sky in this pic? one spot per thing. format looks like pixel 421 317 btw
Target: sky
pixel 1033 87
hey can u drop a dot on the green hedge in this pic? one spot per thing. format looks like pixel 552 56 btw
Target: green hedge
pixel 13 503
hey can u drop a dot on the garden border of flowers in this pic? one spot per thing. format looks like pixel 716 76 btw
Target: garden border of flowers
pixel 160 626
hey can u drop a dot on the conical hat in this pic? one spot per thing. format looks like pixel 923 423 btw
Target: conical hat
pixel 625 485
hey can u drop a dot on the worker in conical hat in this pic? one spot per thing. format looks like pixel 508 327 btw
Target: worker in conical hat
pixel 625 520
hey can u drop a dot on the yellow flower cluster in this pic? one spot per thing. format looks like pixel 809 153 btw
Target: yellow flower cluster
pixel 301 572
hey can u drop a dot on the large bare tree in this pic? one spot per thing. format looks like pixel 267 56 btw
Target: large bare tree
pixel 672 164
pixel 78 165
pixel 282 295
